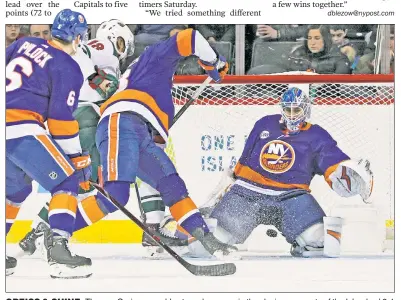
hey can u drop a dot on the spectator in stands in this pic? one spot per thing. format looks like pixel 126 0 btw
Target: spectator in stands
pixel 318 55
pixel 358 31
pixel 40 31
pixel 371 40
pixel 12 33
pixel 338 37
pixel 280 32
pixel 367 62
pixel 151 34
pixel 217 33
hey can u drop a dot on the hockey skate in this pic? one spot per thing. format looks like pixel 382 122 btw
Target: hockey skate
pixel 212 244
pixel 11 263
pixel 166 236
pixel 33 240
pixel 63 263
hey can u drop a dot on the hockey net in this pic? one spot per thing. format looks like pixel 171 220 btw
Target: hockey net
pixel 357 110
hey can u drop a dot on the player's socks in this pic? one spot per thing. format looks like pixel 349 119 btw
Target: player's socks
pixel 187 215
pixel 90 210
pixel 62 211
pixel 13 204
pixel 94 208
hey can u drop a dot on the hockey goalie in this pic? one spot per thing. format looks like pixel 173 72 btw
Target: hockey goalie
pixel 270 183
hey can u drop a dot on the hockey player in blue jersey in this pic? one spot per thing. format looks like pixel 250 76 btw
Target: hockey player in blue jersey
pixel 42 85
pixel 142 107
pixel 270 183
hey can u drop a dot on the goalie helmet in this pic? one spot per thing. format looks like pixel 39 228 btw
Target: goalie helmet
pixel 295 109
pixel 112 30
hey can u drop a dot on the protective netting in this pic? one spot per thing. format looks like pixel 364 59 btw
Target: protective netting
pixel 358 111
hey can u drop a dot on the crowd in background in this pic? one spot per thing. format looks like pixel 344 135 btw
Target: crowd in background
pixel 323 49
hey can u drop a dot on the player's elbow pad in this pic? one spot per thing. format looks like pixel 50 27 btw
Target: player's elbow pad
pixel 353 178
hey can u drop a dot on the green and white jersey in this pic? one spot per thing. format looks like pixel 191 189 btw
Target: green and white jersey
pixel 99 53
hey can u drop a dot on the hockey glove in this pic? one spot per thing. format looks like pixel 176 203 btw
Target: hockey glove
pixel 105 84
pixel 216 70
pixel 83 169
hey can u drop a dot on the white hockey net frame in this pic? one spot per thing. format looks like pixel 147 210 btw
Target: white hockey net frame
pixel 357 110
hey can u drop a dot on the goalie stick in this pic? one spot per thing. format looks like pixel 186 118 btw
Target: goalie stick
pixel 210 270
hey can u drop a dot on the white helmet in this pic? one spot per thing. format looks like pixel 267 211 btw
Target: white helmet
pixel 113 29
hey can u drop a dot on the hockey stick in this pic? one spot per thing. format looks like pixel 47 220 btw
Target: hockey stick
pixel 191 100
pixel 211 270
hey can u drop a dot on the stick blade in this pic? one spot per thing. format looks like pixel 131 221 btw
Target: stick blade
pixel 213 270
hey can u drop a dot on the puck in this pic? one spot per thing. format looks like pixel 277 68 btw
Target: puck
pixel 271 232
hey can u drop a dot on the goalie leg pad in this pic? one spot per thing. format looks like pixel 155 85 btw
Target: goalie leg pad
pixel 237 212
pixel 332 236
pixel 299 213
pixel 310 242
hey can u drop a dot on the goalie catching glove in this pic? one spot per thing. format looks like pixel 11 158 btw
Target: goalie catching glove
pixel 105 84
pixel 83 169
pixel 353 178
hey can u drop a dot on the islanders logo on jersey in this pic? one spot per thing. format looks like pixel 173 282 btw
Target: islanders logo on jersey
pixel 277 157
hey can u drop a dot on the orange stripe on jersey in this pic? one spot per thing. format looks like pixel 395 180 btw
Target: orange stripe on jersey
pixel 184 42
pixel 64 201
pixel 56 154
pixel 142 97
pixel 17 115
pixel 11 211
pixel 92 210
pixel 248 173
pixel 112 161
pixel 58 127
pixel 100 175
pixel 182 207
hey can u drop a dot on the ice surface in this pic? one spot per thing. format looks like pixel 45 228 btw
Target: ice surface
pixel 126 268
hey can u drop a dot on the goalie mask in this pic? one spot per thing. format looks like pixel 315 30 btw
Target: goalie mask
pixel 295 109
pixel 113 30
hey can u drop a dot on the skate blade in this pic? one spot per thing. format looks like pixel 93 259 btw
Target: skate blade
pixel 10 271
pixel 59 271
